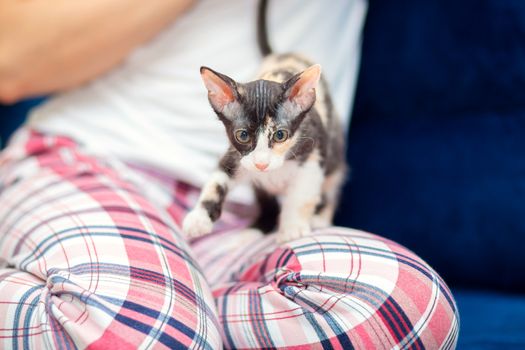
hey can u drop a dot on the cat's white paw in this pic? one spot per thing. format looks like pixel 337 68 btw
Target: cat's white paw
pixel 319 222
pixel 197 223
pixel 292 232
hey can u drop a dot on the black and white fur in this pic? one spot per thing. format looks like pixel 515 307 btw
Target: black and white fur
pixel 285 137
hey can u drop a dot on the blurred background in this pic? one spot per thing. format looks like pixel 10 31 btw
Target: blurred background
pixel 437 149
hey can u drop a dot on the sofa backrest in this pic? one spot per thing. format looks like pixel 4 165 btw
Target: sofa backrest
pixel 437 140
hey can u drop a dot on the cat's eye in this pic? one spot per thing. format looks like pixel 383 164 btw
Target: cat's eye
pixel 242 136
pixel 280 135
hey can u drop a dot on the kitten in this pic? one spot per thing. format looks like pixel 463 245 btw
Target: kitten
pixel 284 136
pixel 285 140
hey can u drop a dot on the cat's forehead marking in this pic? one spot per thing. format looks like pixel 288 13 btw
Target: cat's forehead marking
pixel 261 96
pixel 269 122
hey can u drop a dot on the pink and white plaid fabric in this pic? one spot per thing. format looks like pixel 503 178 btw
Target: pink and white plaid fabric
pixel 91 256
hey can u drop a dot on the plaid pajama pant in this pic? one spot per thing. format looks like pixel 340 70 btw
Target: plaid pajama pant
pixel 92 256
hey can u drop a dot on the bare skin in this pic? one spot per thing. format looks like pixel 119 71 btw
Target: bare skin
pixel 48 47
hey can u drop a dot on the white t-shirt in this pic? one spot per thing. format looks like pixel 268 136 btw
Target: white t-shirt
pixel 153 108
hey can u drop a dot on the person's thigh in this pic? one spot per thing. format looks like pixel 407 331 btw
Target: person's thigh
pixel 88 261
pixel 338 289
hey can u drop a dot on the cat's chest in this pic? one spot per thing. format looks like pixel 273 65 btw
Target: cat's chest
pixel 277 181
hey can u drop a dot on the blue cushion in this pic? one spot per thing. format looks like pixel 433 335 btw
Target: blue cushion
pixel 12 116
pixel 437 141
pixel 491 321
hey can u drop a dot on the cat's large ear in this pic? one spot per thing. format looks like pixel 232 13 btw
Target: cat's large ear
pixel 300 89
pixel 222 90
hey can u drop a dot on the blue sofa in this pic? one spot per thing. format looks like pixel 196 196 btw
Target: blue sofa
pixel 437 148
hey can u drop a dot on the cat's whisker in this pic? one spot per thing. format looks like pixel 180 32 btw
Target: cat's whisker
pixel 308 138
pixel 293 153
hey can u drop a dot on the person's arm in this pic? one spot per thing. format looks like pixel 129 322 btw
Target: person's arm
pixel 51 46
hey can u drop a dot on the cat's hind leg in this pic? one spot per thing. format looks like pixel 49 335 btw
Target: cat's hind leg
pixel 325 209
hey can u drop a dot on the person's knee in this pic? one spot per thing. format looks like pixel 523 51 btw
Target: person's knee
pixel 136 305
pixel 107 265
pixel 104 310
pixel 340 287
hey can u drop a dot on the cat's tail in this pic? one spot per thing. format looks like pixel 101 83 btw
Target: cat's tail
pixel 262 29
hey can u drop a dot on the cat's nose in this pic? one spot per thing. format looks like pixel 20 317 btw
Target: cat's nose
pixel 261 166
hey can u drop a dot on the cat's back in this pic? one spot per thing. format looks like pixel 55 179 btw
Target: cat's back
pixel 281 67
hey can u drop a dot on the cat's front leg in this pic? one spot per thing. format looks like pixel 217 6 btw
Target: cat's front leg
pixel 299 202
pixel 199 221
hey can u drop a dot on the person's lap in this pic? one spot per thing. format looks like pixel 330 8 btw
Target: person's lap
pixel 94 257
